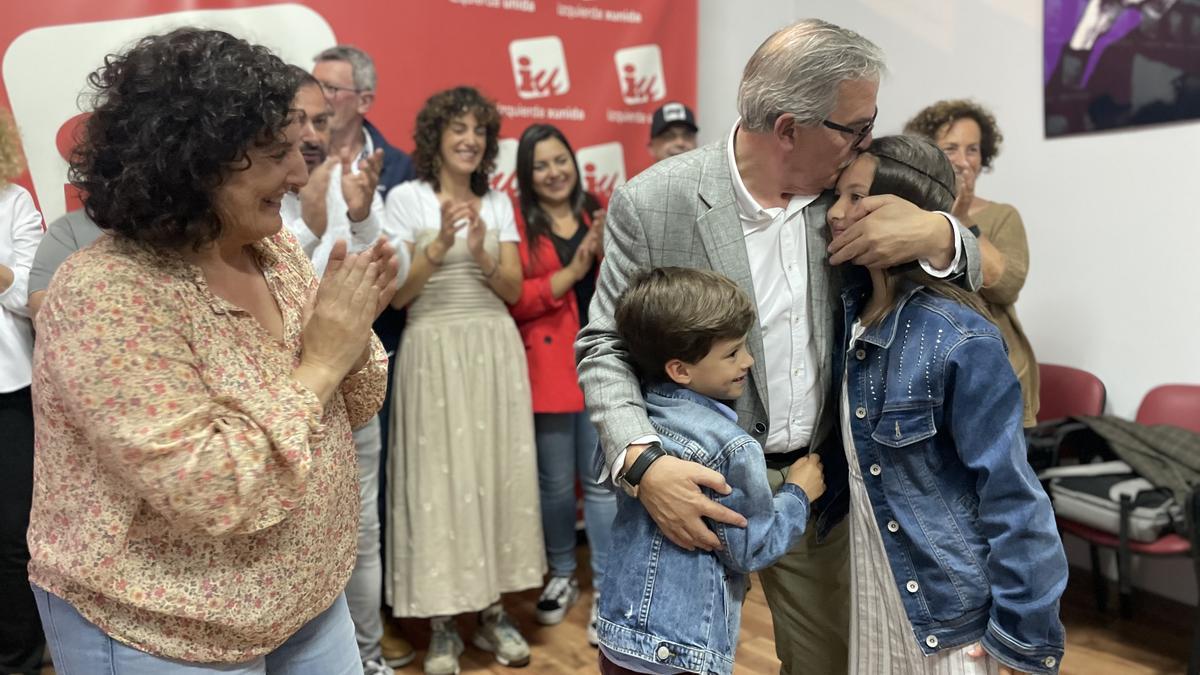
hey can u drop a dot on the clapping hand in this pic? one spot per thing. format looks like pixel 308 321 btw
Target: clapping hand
pixel 965 194
pixel 359 188
pixel 312 197
pixel 455 216
pixel 337 325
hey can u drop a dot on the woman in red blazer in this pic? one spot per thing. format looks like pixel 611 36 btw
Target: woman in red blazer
pixel 561 229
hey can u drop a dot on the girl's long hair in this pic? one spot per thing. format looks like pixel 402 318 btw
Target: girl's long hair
pixel 915 169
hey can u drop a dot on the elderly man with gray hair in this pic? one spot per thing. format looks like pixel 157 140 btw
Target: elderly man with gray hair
pixel 752 207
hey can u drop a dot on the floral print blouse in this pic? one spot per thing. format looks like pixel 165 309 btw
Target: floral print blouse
pixel 191 498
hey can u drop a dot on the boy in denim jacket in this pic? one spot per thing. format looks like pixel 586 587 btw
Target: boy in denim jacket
pixel 664 609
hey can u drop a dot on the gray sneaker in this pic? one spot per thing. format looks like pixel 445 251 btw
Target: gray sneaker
pixel 498 635
pixel 445 646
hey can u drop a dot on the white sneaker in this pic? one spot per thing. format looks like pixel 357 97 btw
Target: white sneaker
pixel 593 637
pixel 377 667
pixel 557 597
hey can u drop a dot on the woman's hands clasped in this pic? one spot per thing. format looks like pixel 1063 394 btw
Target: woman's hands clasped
pixel 355 289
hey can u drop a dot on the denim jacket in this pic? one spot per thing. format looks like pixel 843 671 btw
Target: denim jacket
pixel 936 417
pixel 681 609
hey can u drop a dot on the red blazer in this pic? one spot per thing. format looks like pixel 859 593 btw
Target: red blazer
pixel 548 326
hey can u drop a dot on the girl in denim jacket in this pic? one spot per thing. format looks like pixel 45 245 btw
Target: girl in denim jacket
pixel 956 564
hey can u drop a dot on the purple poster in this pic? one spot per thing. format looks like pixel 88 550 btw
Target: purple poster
pixel 1120 63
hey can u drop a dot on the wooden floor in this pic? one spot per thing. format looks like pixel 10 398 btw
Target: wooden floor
pixel 1156 641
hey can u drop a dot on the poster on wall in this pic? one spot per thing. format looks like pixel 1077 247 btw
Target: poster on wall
pixel 597 69
pixel 1110 64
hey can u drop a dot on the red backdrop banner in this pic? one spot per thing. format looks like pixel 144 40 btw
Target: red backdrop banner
pixel 597 69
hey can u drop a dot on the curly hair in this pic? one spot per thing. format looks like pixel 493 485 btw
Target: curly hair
pixel 437 113
pixel 929 121
pixel 173 117
pixel 12 164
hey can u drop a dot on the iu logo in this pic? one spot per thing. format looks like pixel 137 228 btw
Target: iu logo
pixel 640 73
pixel 504 177
pixel 602 168
pixel 539 67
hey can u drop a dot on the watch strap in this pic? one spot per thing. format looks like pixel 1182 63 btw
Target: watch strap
pixel 640 465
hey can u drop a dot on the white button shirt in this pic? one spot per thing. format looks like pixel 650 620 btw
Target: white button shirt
pixel 778 255
pixel 20 234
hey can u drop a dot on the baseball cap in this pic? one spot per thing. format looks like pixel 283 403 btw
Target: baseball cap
pixel 672 113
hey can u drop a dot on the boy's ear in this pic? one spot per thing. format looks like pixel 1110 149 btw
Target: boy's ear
pixel 678 371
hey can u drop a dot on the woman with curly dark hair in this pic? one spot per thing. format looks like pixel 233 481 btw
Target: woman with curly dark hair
pixel 196 492
pixel 968 134
pixel 464 525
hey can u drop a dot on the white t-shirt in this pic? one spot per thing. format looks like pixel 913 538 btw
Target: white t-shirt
pixel 20 234
pixel 413 207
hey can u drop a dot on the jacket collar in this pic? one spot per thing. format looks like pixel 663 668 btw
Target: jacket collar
pixel 858 285
pixel 672 390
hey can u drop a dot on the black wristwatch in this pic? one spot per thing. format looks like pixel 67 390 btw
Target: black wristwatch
pixel 629 481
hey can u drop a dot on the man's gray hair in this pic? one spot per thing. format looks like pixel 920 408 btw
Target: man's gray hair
pixel 798 69
pixel 361 65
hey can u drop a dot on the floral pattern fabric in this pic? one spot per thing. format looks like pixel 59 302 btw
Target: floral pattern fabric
pixel 191 498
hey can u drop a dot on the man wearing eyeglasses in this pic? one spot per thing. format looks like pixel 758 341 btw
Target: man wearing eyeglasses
pixel 752 207
pixel 347 74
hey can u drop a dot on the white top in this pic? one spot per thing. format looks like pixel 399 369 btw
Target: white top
pixel 20 234
pixel 359 236
pixel 414 206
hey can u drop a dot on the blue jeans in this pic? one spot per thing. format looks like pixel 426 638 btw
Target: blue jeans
pixel 324 645
pixel 567 446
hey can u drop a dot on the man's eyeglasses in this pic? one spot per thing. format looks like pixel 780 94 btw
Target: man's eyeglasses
pixel 858 134
pixel 332 90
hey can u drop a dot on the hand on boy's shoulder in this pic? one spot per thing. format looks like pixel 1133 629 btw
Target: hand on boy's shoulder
pixel 670 492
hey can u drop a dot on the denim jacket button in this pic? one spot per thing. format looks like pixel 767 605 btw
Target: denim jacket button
pixel 860 412
pixel 876 469
pixel 662 653
pixel 1050 662
pixel 893 526
pixel 932 640
pixel 860 354
pixel 912 587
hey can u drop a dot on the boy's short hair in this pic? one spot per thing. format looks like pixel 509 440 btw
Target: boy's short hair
pixel 678 313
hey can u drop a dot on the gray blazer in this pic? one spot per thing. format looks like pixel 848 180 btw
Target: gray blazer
pixel 681 212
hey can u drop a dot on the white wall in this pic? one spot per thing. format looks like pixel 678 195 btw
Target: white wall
pixel 1112 218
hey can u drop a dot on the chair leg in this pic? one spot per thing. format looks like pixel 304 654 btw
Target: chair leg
pixel 1124 566
pixel 1194 510
pixel 1099 585
pixel 1194 662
